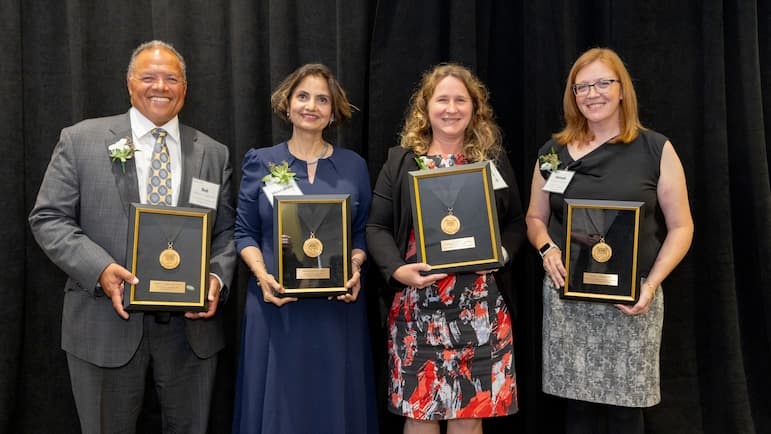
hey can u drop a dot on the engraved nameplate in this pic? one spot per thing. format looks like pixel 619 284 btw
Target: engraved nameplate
pixel 167 286
pixel 601 279
pixel 458 244
pixel 312 273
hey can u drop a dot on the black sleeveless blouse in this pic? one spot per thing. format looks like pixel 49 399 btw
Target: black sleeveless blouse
pixel 615 171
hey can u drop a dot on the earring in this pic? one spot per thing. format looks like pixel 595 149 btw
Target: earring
pixel 331 120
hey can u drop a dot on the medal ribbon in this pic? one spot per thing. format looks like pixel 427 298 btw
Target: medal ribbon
pixel 170 240
pixel 604 224
pixel 312 219
pixel 447 190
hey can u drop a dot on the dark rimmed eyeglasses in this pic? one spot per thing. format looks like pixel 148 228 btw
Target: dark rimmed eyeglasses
pixel 601 86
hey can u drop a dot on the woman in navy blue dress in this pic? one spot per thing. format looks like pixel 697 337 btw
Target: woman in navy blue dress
pixel 305 365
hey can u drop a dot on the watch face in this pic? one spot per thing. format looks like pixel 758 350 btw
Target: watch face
pixel 544 248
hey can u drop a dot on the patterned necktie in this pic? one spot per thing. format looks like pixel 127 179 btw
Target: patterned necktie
pixel 159 177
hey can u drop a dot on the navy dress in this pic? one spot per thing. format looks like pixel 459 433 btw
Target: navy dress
pixel 305 367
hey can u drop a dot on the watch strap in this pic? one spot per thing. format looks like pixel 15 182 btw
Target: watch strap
pixel 546 248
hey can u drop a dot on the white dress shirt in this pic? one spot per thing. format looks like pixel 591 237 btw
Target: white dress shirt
pixel 144 142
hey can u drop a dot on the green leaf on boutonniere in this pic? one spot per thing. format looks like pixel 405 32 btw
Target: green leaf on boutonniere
pixel 549 162
pixel 425 163
pixel 279 174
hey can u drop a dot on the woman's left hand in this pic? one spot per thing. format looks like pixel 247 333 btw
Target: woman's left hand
pixel 353 285
pixel 643 304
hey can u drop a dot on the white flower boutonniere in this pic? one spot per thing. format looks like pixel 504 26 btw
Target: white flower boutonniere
pixel 425 163
pixel 549 162
pixel 122 150
pixel 279 174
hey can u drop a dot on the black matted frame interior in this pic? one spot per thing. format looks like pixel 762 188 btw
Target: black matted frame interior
pixel 455 218
pixel 169 251
pixel 312 239
pixel 601 250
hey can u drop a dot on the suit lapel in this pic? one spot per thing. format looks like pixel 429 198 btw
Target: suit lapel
pixel 192 159
pixel 126 183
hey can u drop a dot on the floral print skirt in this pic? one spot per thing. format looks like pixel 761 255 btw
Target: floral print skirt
pixel 451 351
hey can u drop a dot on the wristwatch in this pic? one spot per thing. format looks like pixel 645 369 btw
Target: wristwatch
pixel 546 247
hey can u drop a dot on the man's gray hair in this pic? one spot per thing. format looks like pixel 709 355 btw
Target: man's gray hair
pixel 155 44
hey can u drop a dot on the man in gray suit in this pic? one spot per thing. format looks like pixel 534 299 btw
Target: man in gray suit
pixel 80 220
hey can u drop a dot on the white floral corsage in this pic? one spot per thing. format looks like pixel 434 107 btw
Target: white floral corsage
pixel 549 162
pixel 122 150
pixel 425 162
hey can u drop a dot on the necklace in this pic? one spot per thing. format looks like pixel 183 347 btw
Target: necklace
pixel 316 160
pixel 318 157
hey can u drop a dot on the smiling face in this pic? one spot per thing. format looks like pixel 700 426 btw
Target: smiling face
pixel 156 85
pixel 599 106
pixel 450 108
pixel 310 105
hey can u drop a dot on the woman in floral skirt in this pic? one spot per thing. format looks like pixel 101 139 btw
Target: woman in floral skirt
pixel 450 342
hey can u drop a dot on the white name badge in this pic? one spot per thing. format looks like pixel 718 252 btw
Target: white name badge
pixel 558 181
pixel 498 182
pixel 204 193
pixel 272 189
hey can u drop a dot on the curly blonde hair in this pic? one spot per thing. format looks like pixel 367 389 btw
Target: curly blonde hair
pixel 576 126
pixel 341 107
pixel 482 139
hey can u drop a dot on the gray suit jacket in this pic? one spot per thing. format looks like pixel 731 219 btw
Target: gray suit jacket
pixel 80 220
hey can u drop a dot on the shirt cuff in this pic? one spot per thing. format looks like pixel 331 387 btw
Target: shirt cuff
pixel 222 286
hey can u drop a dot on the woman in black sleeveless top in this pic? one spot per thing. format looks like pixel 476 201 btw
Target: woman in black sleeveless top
pixel 604 358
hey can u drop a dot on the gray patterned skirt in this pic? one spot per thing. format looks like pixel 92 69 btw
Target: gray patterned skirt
pixel 594 352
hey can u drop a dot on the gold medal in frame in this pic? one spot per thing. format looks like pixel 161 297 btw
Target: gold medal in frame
pixel 455 218
pixel 312 244
pixel 601 250
pixel 168 250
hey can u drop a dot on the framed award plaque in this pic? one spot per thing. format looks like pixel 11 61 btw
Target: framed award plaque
pixel 312 239
pixel 168 250
pixel 455 218
pixel 601 250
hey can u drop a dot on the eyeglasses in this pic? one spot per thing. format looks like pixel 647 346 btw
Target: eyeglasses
pixel 601 86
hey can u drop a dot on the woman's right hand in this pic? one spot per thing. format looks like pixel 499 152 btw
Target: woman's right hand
pixel 409 275
pixel 555 269
pixel 270 288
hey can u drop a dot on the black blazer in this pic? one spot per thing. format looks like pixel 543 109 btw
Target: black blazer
pixel 390 217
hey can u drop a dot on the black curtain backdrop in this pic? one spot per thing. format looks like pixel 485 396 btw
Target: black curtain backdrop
pixel 703 76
